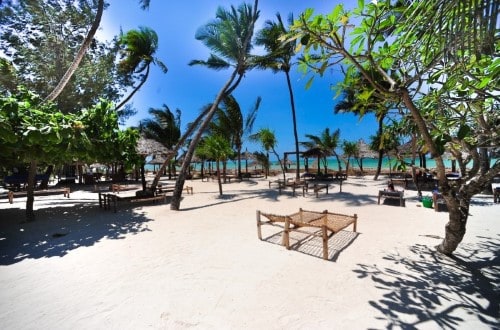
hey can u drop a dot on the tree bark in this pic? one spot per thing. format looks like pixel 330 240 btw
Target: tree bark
pixel 30 200
pixel 458 209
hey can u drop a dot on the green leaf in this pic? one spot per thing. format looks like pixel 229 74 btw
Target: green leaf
pixel 309 83
pixel 361 4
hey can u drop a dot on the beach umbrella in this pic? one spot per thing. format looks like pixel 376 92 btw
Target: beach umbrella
pixel 147 147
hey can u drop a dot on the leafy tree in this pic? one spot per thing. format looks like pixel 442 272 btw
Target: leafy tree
pixel 34 132
pixel 267 139
pixel 441 63
pixel 229 37
pixel 279 59
pixel 230 123
pixel 59 39
pixel 138 48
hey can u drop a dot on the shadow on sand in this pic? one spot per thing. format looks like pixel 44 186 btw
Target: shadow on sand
pixel 58 230
pixel 435 291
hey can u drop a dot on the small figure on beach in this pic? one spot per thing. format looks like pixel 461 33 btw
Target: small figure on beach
pixel 390 187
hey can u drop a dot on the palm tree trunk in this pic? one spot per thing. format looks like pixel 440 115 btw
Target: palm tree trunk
pixel 219 181
pixel 181 178
pixel 294 120
pixel 79 56
pixel 144 78
pixel 380 151
pixel 179 144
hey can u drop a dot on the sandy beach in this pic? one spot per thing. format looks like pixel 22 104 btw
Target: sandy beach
pixel 147 267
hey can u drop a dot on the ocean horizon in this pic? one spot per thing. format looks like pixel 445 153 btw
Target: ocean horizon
pixel 368 163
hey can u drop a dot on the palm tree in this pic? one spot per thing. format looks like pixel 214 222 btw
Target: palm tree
pixel 230 123
pixel 218 148
pixel 326 143
pixel 164 128
pixel 359 105
pixel 268 141
pixel 350 149
pixel 229 37
pixel 279 59
pixel 140 47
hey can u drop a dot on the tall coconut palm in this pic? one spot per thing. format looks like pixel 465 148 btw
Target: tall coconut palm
pixel 229 37
pixel 279 59
pixel 164 127
pixel 139 48
pixel 230 122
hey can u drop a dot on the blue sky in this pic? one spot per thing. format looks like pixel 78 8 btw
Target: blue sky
pixel 190 88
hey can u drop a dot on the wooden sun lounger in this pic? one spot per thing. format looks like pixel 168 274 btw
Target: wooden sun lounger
pixel 65 191
pixel 392 194
pixel 329 223
pixel 108 200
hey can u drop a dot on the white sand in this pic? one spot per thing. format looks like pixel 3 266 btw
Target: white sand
pixel 203 267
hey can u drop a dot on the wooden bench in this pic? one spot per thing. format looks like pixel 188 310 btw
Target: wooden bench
pixel 316 187
pixel 291 183
pixel 392 194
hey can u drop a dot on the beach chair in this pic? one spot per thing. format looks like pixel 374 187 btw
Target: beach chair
pixel 396 194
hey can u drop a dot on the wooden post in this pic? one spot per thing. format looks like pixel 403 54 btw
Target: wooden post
pixel 325 241
pixel 286 234
pixel 10 196
pixel 259 232
pixel 355 222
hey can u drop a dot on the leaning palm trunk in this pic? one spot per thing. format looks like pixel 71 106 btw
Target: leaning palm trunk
pixel 179 144
pixel 79 56
pixel 181 178
pixel 144 78
pixel 227 89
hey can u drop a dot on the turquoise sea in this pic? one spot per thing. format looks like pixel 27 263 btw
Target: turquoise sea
pixel 368 163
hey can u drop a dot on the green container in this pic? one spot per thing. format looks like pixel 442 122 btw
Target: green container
pixel 427 202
